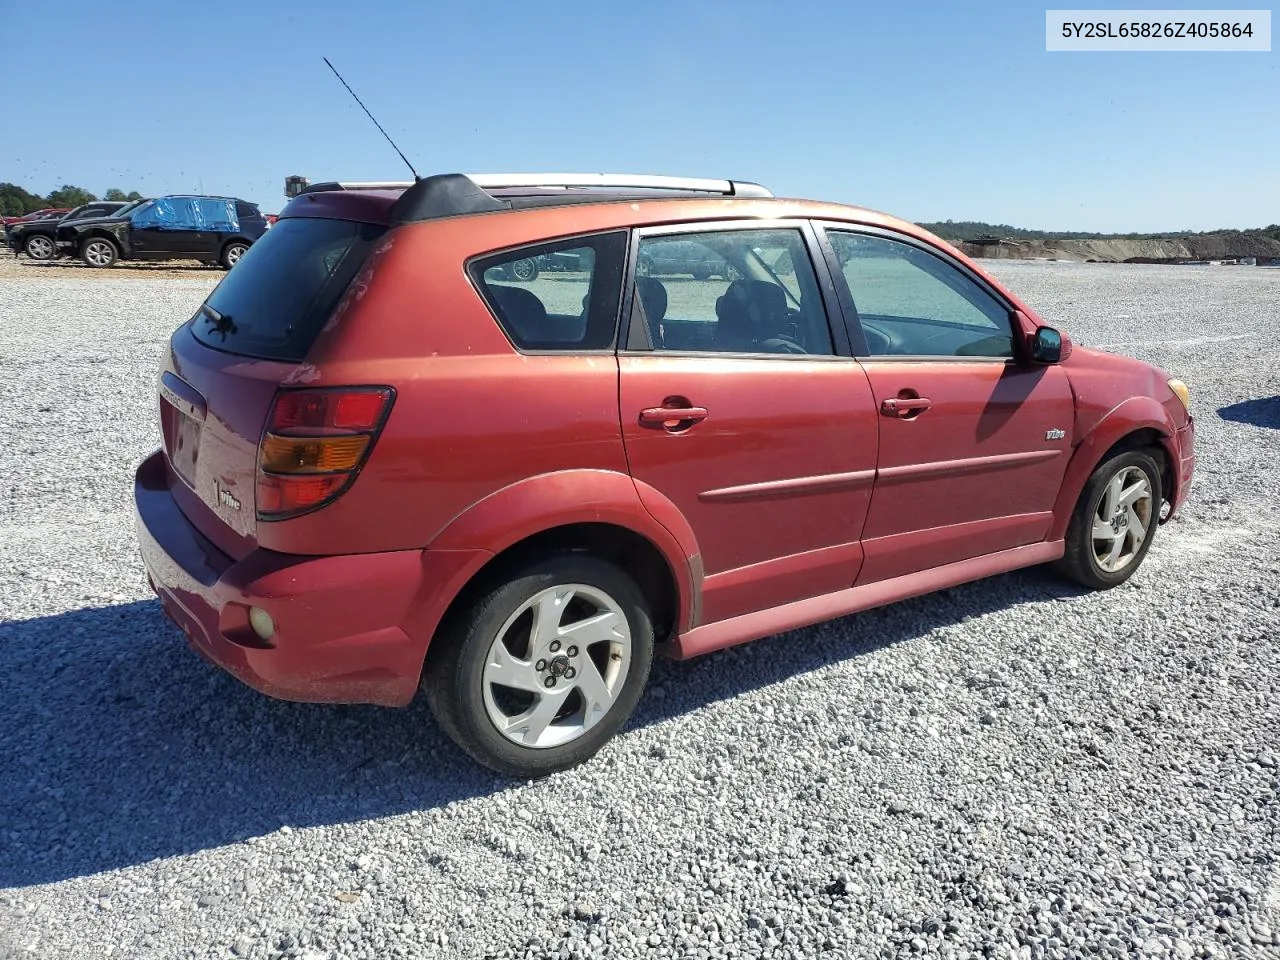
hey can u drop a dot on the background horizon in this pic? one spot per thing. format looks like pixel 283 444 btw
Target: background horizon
pixel 931 113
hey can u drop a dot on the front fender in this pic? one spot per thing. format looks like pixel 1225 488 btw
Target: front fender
pixel 542 503
pixel 1136 413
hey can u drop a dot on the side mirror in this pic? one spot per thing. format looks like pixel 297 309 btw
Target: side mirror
pixel 1046 345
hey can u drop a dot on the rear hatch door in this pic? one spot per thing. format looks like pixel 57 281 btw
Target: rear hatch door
pixel 226 364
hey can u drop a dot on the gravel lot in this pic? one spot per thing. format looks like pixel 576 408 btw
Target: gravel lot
pixel 1011 769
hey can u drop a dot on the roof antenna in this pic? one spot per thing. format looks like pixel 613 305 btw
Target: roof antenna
pixel 371 117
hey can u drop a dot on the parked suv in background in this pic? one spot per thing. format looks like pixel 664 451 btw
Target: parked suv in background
pixel 211 229
pixel 37 238
pixel 388 462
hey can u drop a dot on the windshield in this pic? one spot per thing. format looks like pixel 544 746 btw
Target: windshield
pixel 130 208
pixel 274 301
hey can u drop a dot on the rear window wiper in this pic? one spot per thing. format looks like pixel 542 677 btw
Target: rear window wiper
pixel 222 323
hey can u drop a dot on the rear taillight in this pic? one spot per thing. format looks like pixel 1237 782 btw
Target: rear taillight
pixel 315 443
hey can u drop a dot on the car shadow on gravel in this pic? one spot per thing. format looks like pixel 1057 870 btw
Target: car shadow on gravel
pixel 122 746
pixel 1262 412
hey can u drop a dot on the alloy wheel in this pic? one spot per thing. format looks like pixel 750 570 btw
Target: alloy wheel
pixel 1122 519
pixel 557 665
pixel 41 248
pixel 99 253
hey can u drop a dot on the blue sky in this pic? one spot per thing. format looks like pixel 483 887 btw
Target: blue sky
pixel 929 111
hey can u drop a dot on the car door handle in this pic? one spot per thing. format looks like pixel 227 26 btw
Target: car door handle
pixel 672 418
pixel 903 407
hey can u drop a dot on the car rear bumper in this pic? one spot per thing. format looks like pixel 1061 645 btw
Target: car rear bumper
pixel 344 625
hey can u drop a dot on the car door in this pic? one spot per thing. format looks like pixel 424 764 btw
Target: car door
pixel 974 441
pixel 738 408
pixel 163 229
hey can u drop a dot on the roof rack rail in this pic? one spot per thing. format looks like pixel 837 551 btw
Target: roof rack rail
pixel 740 188
pixel 601 181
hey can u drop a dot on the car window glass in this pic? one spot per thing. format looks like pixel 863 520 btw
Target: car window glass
pixel 210 213
pixel 731 291
pixel 561 296
pixel 912 303
pixel 158 213
pixel 245 211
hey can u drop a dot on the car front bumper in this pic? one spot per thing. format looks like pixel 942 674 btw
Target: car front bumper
pixel 1184 444
pixel 344 625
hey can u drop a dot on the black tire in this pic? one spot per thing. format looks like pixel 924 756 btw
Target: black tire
pixel 40 247
pixel 454 675
pixel 232 252
pixel 525 270
pixel 1081 561
pixel 700 271
pixel 99 252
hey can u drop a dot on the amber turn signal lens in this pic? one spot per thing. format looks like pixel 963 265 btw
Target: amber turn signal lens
pixel 311 454
pixel 1181 391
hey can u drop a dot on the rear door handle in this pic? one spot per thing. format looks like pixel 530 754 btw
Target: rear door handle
pixel 900 407
pixel 672 418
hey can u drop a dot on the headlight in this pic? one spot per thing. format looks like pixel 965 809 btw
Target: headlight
pixel 1181 392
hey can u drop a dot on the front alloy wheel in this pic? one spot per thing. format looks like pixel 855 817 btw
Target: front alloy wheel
pixel 543 668
pixel 1114 521
pixel 98 253
pixel 1122 519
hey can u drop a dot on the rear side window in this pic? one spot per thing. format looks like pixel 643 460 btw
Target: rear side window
pixel 280 293
pixel 559 296
pixel 246 211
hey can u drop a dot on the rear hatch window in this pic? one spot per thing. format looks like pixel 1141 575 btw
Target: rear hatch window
pixel 274 302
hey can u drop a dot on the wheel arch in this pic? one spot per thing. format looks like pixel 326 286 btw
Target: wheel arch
pixel 599 511
pixel 1138 423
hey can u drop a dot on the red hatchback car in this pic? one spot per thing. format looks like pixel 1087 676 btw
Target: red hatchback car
pixel 395 456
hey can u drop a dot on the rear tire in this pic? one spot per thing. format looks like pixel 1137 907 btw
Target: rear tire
pixel 99 252
pixel 232 253
pixel 573 619
pixel 40 247
pixel 1114 521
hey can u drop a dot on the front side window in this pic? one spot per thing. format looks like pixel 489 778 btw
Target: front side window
pixel 558 296
pixel 730 291
pixel 912 303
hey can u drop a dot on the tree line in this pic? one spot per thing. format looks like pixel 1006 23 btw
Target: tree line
pixel 967 230
pixel 15 201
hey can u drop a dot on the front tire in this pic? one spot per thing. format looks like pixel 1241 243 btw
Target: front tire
pixel 525 270
pixel 99 252
pixel 40 247
pixel 1114 521
pixel 543 668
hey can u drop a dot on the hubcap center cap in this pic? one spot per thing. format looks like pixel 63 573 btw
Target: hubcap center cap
pixel 558 666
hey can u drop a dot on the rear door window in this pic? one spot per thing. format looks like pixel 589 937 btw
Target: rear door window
pixel 561 296
pixel 273 304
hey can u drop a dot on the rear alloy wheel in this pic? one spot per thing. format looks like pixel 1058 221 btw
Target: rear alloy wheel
pixel 40 247
pixel 1114 521
pixel 524 270
pixel 543 669
pixel 99 252
pixel 232 254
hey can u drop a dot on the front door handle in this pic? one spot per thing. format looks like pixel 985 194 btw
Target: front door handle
pixel 674 419
pixel 905 407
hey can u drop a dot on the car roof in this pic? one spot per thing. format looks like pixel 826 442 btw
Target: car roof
pixel 459 195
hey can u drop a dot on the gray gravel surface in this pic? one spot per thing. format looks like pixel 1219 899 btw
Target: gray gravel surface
pixel 1012 768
